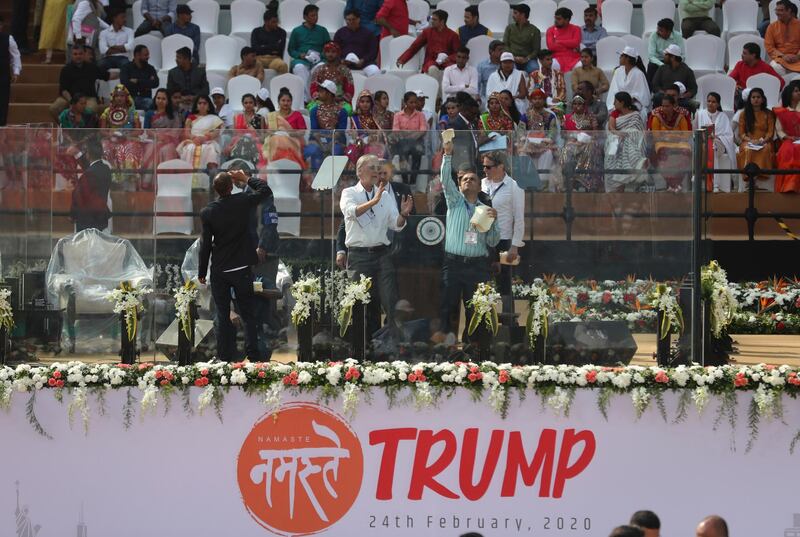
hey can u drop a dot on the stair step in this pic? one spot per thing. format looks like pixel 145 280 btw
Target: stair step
pixel 36 73
pixel 34 93
pixel 19 113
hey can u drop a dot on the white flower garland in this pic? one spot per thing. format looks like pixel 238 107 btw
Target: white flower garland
pixel 354 292
pixel 185 296
pixel 664 300
pixel 484 303
pixel 539 304
pixel 717 290
pixel 306 292
pixel 6 314
pixel 127 300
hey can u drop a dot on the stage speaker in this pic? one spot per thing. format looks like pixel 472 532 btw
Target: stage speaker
pixel 33 291
pixel 607 343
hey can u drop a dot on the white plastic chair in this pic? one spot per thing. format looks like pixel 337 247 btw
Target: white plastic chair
pixel 427 84
pixel 384 51
pixel 705 54
pixel 478 49
pixel 246 15
pixel 331 14
pixel 719 83
pixel 222 53
pixel 239 86
pixel 358 86
pixel 397 47
pixel 618 16
pixel 494 14
pixel 771 86
pixel 740 17
pixel 455 12
pixel 283 177
pixel 206 15
pixel 169 45
pixel 418 10
pixel 608 50
pixel 290 14
pixel 173 194
pixel 391 84
pixel 737 43
pixel 153 44
pixel 652 12
pixel 216 79
pixel 638 43
pixel 136 11
pixel 543 13
pixel 577 7
pixel 291 82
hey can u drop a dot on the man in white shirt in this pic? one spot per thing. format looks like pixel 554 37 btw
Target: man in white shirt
pixel 224 110
pixel 368 217
pixel 508 199
pixel 460 77
pixel 115 43
pixel 10 69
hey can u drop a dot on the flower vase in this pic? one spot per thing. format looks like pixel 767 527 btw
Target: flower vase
pixel 305 335
pixel 4 347
pixel 186 344
pixel 481 341
pixel 662 344
pixel 537 354
pixel 127 350
pixel 357 332
pixel 715 349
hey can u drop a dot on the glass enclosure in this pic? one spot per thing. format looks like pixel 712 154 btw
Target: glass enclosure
pixel 607 216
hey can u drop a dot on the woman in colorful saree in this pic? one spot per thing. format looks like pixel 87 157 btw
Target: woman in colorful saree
pixel 672 149
pixel 788 130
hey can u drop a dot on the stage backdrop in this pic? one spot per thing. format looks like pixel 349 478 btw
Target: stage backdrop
pixel 388 470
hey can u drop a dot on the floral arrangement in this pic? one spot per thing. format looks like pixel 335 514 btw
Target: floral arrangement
pixel 716 290
pixel 484 304
pixel 6 314
pixel 306 291
pixel 185 296
pixel 173 279
pixel 663 299
pixel 428 383
pixel 127 300
pixel 354 292
pixel 539 304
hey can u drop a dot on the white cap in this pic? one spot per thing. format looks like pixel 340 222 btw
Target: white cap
pixel 674 50
pixel 352 58
pixel 441 57
pixel 329 85
pixel 371 70
pixel 506 57
pixel 421 94
pixel 746 93
pixel 681 86
pixel 217 91
pixel 630 51
pixel 313 56
pixel 263 94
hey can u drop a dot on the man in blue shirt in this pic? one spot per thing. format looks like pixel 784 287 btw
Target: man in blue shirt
pixel 159 15
pixel 367 9
pixel 487 67
pixel 185 26
pixel 591 32
pixel 472 26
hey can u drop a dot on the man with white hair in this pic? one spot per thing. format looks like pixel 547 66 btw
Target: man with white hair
pixel 368 218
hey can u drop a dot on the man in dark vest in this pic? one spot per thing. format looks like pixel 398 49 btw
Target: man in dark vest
pixel 10 68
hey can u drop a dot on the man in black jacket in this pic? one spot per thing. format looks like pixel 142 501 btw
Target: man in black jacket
pixel 227 236
pixel 90 198
pixel 140 78
pixel 78 76
pixel 187 77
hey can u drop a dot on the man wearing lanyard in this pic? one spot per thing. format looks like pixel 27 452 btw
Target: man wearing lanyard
pixel 466 250
pixel 368 217
pixel 509 201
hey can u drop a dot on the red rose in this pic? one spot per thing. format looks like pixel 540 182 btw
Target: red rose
pixel 606 297
pixel 51 382
pixel 662 377
pixel 740 380
pixel 591 376
pixel 204 372
pixel 59 384
pixel 159 374
pixel 262 374
pixel 412 377
pixel 352 373
pixel 502 378
pixel 780 326
pixel 56 374
pixel 164 382
pixel 475 376
pixel 199 382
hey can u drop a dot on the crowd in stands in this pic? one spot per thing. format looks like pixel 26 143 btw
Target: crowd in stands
pixel 550 100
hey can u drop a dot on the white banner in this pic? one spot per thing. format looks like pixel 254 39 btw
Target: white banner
pixel 388 471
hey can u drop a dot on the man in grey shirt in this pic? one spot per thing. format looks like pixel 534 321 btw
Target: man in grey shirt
pixel 159 15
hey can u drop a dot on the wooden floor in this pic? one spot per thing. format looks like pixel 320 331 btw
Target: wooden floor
pixel 748 350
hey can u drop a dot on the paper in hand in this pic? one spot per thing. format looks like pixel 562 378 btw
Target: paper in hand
pixel 481 220
pixel 448 135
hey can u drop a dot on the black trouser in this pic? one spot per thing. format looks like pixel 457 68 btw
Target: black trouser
pixel 504 278
pixel 460 278
pixel 5 97
pixel 241 282
pixel 19 22
pixel 378 265
pixel 412 148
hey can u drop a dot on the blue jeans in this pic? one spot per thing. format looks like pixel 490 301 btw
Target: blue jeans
pixel 143 103
pixel 113 62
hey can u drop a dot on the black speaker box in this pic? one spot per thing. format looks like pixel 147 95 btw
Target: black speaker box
pixel 607 343
pixel 33 290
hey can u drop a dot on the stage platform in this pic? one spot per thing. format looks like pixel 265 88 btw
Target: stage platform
pixel 749 349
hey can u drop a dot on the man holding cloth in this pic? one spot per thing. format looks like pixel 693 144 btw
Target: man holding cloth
pixel 226 235
pixel 466 250
pixel 441 44
pixel 368 217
